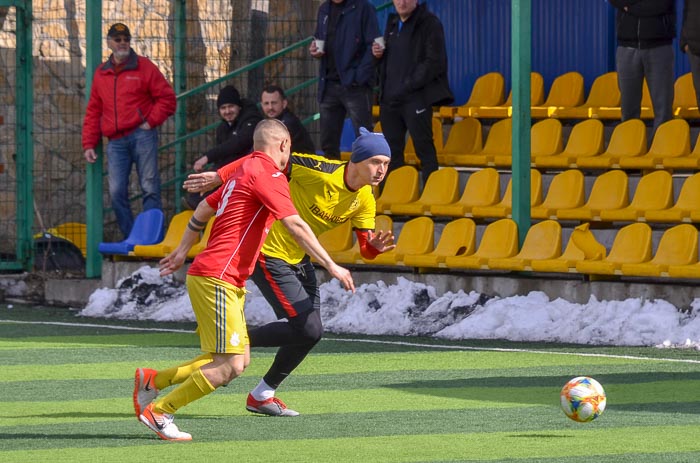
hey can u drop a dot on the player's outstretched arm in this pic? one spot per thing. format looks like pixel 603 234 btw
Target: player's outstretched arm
pixel 302 233
pixel 173 261
pixel 201 182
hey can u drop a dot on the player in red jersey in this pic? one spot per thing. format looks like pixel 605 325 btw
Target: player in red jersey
pixel 245 207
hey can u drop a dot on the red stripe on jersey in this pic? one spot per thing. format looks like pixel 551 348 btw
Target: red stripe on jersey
pixel 281 297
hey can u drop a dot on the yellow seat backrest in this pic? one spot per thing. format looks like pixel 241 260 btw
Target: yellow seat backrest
pixel 629 138
pixel 587 138
pixel 465 137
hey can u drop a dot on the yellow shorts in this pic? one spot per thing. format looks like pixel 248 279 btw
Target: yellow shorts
pixel 218 307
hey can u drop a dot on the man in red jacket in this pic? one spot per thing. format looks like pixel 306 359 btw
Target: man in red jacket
pixel 129 99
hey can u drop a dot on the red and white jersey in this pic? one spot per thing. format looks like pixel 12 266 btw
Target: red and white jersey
pixel 246 205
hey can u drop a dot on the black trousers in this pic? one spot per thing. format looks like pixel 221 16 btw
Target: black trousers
pixel 292 291
pixel 416 117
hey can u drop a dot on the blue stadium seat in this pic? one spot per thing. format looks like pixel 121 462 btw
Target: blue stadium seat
pixel 147 229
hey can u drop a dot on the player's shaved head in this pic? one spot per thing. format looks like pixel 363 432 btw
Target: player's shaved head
pixel 269 132
pixel 272 138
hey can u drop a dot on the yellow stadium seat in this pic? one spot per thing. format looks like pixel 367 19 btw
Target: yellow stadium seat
pixel 483 188
pixel 199 246
pixel 609 191
pixel 172 238
pixel 498 143
pixel 604 93
pixel 465 137
pixel 586 139
pixel 688 201
pixel 458 238
pixel 409 152
pixel 416 237
pixel 678 246
pixel 566 92
pixel 338 238
pixel 672 139
pixel 684 271
pixel 506 109
pixel 566 191
pixel 74 232
pixel 400 187
pixel 545 141
pixel 629 139
pixel 581 244
pixel 685 104
pixel 442 187
pixel 690 162
pixel 654 191
pixel 487 90
pixel 504 207
pixel 352 255
pixel 500 239
pixel 543 241
pixel 632 245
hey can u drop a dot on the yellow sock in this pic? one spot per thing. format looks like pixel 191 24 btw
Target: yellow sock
pixel 178 374
pixel 193 388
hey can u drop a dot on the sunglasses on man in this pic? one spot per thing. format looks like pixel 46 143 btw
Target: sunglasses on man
pixel 122 39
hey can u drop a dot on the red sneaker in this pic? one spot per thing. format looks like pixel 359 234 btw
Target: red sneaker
pixel 272 406
pixel 162 424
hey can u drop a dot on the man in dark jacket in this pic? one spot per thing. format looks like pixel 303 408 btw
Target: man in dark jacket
pixel 234 135
pixel 690 40
pixel 413 79
pixel 274 103
pixel 347 68
pixel 645 33
pixel 129 99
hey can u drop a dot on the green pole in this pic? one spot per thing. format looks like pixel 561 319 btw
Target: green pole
pixel 24 142
pixel 180 82
pixel 94 193
pixel 521 17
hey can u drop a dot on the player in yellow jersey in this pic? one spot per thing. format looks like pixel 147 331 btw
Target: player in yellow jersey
pixel 326 193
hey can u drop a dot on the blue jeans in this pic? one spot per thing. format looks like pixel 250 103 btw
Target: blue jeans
pixel 338 101
pixel 140 148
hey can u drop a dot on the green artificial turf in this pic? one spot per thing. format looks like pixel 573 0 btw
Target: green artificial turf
pixel 66 396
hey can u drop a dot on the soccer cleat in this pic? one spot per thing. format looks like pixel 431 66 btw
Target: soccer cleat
pixel 272 406
pixel 162 424
pixel 144 389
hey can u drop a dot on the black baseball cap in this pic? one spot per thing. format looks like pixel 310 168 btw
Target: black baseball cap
pixel 118 29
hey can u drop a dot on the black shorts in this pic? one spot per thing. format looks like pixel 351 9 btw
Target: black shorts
pixel 289 289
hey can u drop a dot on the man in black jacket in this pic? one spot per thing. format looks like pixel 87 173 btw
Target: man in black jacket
pixel 274 103
pixel 690 40
pixel 412 79
pixel 346 68
pixel 645 33
pixel 234 135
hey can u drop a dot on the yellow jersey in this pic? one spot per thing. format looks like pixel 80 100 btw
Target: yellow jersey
pixel 323 200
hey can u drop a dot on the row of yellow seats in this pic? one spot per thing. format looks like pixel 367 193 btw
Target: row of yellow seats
pixel 172 238
pixel 585 146
pixel 630 254
pixel 565 99
pixel 609 198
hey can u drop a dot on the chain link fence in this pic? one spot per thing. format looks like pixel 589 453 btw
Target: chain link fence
pixel 221 37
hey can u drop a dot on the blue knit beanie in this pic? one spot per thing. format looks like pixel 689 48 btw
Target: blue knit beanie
pixel 369 144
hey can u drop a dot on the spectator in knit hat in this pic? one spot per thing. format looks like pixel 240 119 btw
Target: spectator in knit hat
pixel 128 115
pixel 327 193
pixel 234 135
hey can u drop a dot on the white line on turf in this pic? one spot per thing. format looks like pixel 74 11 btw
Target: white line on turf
pixel 376 341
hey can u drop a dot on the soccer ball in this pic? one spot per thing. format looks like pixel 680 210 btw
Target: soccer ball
pixel 583 399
